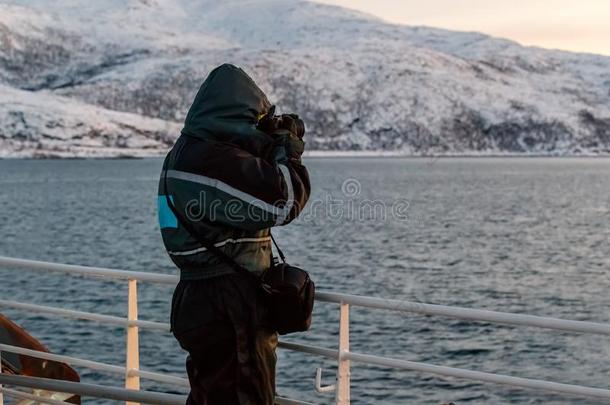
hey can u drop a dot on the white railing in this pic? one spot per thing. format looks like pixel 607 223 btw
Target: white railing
pixel 342 354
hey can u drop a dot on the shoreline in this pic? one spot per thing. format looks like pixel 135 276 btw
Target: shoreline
pixel 347 154
pixel 320 154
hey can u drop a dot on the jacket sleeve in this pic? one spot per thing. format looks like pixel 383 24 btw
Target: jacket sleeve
pixel 231 187
pixel 287 157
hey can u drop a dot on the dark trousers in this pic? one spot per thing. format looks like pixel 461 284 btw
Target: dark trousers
pixel 223 324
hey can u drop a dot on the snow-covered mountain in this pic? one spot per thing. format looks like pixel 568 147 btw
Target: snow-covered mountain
pixel 116 77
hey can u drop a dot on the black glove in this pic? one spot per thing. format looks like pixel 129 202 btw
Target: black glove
pixel 293 124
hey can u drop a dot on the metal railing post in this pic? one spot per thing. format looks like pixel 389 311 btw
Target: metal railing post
pixel 132 362
pixel 1 395
pixel 343 371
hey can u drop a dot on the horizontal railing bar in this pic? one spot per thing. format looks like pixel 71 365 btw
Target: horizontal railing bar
pixel 369 302
pixel 467 313
pixel 43 400
pixel 88 271
pixel 94 365
pixel 93 390
pixel 286 401
pixel 24 395
pixel 170 379
pixel 299 347
pixel 321 351
pixel 90 316
pixel 480 376
pixel 452 372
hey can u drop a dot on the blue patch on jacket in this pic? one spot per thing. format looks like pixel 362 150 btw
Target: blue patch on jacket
pixel 167 219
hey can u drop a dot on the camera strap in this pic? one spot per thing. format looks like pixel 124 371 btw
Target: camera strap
pixel 279 251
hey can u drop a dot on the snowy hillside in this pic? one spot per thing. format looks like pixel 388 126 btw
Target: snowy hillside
pixel 115 78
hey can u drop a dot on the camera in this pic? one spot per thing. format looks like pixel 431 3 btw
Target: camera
pixel 271 123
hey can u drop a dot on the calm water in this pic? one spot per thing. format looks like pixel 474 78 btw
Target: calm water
pixel 519 235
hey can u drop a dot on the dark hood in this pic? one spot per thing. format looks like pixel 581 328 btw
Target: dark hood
pixel 227 108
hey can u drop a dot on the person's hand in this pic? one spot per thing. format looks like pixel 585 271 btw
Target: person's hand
pixel 293 124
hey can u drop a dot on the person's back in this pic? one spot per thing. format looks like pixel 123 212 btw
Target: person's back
pixel 230 178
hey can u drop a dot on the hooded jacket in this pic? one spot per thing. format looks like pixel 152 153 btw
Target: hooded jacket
pixel 231 181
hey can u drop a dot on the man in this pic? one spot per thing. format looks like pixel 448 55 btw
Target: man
pixel 234 172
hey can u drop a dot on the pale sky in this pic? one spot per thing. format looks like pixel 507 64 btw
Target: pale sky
pixel 575 25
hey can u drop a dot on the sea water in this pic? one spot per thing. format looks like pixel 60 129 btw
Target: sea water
pixel 523 235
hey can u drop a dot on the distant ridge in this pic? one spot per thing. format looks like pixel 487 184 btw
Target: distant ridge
pixel 115 78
